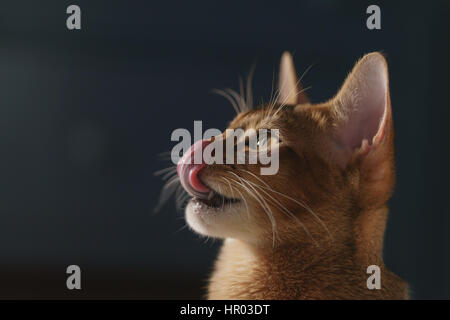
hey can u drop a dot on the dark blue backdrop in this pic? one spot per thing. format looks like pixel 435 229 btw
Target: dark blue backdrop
pixel 84 114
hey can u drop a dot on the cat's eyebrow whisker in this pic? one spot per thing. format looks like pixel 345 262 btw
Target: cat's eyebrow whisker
pixel 306 71
pixel 231 189
pixel 283 103
pixel 272 93
pixel 272 104
pixel 228 97
pixel 249 100
pixel 241 92
pixel 239 99
pixel 274 101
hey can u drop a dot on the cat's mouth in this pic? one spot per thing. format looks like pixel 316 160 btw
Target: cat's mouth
pixel 204 195
pixel 214 200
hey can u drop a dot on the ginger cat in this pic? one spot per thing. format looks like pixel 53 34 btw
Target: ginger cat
pixel 311 230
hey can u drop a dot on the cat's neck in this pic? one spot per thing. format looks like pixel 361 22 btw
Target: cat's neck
pixel 298 256
pixel 363 240
pixel 248 271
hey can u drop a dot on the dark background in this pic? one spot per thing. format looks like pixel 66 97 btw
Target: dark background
pixel 83 115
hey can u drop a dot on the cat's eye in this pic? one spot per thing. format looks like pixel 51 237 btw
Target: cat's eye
pixel 264 141
pixel 267 142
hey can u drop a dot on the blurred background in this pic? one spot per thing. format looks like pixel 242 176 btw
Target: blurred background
pixel 84 115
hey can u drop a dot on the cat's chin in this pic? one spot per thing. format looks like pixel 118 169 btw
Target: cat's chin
pixel 215 220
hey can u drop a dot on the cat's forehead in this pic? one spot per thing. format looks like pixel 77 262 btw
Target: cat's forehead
pixel 263 116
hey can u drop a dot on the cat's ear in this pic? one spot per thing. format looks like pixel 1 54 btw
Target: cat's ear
pixel 361 109
pixel 290 90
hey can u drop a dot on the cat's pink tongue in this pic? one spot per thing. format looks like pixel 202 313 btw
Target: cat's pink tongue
pixel 188 170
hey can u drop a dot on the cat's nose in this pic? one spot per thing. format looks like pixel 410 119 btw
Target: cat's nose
pixel 189 167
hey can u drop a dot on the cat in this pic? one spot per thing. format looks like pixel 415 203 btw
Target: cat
pixel 311 230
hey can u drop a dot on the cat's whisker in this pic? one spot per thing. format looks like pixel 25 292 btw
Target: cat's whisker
pixel 266 209
pixel 242 101
pixel 278 205
pixel 271 104
pixel 303 205
pixel 257 196
pixel 240 193
pixel 242 196
pixel 255 176
pixel 168 175
pixel 273 97
pixel 272 93
pixel 242 92
pixel 168 189
pixel 249 100
pixel 239 99
pixel 263 206
pixel 306 71
pixel 245 202
pixel 162 171
pixel 180 197
pixel 166 155
pixel 181 229
pixel 287 212
pixel 223 199
pixel 283 103
pixel 271 216
pixel 228 97
pixel 166 172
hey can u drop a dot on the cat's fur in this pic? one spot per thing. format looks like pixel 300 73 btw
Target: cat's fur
pixel 336 176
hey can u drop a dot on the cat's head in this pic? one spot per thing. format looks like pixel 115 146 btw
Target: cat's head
pixel 336 163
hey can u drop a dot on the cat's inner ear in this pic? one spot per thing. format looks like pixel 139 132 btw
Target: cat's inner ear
pixel 290 90
pixel 361 106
